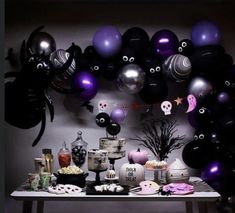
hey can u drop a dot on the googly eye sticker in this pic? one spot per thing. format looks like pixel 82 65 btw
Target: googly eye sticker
pixel 125 58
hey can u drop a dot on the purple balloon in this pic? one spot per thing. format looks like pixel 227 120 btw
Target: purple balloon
pixel 205 33
pixel 165 43
pixel 87 81
pixel 117 115
pixel 223 98
pixel 107 41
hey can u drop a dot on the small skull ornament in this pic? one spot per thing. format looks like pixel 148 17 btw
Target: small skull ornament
pixel 102 106
pixel 166 107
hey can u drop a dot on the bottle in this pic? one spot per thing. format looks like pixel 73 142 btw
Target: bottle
pixel 64 156
pixel 79 150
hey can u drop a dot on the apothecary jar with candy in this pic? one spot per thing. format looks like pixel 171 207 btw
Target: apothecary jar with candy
pixel 79 150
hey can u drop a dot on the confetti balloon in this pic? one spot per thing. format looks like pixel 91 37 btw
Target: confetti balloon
pixel 86 81
pixel 177 67
pixel 205 33
pixel 41 43
pixel 117 115
pixel 131 79
pixel 107 41
pixel 164 43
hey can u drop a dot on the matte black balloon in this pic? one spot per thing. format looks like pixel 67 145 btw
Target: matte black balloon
pixel 154 90
pixel 110 70
pixel 127 56
pixel 82 63
pixel 113 128
pixel 152 67
pixel 229 81
pixel 41 43
pixel 186 47
pixel 207 61
pixel 102 119
pixel 90 52
pixel 196 154
pixel 203 116
pixel 96 66
pixel 137 39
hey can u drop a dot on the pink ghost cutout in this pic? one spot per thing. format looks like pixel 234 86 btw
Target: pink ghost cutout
pixel 192 103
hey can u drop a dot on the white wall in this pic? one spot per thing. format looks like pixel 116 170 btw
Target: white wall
pixel 77 23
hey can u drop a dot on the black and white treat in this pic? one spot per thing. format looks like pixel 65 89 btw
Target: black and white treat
pixel 72 189
pixel 177 67
pixel 64 189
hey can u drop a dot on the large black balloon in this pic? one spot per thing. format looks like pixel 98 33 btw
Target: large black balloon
pixel 102 119
pixel 196 154
pixel 90 52
pixel 137 39
pixel 113 128
pixel 154 90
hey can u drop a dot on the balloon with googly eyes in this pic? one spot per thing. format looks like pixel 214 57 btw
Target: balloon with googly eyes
pixel 201 135
pixel 96 67
pixel 102 119
pixel 127 56
pixel 229 80
pixel 152 67
pixel 186 47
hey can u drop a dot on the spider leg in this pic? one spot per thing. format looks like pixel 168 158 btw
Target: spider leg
pixel 42 129
pixel 50 105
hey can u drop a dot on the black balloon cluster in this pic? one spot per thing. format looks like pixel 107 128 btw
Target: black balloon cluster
pixel 103 120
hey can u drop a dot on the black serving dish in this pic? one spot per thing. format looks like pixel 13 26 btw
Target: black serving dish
pixel 90 190
pixel 74 179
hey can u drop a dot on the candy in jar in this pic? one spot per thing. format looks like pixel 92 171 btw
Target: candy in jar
pixel 79 150
pixel 64 156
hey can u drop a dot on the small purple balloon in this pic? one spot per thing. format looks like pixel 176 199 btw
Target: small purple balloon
pixel 223 98
pixel 87 81
pixel 107 41
pixel 165 43
pixel 205 33
pixel 118 115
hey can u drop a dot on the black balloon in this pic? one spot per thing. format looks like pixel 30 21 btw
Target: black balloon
pixel 127 56
pixel 90 52
pixel 154 90
pixel 186 47
pixel 137 39
pixel 152 67
pixel 110 70
pixel 229 81
pixel 113 128
pixel 102 119
pixel 96 66
pixel 196 154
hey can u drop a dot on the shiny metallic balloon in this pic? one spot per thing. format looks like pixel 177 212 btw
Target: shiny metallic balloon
pixel 42 42
pixel 131 78
pixel 199 87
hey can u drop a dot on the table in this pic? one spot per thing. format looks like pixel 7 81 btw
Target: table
pixel 202 198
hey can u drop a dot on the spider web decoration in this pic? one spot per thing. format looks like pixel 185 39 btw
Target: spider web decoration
pixel 158 137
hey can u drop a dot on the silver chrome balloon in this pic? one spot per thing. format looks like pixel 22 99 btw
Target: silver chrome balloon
pixel 199 87
pixel 131 79
pixel 41 43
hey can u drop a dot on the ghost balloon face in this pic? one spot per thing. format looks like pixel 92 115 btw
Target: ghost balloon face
pixel 102 119
pixel 192 103
pixel 185 47
pixel 153 68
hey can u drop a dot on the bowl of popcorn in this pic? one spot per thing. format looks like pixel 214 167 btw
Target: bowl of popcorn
pixel 71 175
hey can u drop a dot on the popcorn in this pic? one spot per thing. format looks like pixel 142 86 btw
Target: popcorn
pixel 70 170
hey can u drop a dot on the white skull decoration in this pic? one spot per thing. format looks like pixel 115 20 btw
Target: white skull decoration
pixel 102 106
pixel 166 107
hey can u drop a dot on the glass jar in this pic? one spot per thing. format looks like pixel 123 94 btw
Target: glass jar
pixel 79 150
pixel 64 156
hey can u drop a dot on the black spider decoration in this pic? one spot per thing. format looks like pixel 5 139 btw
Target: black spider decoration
pixel 26 95
pixel 162 192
